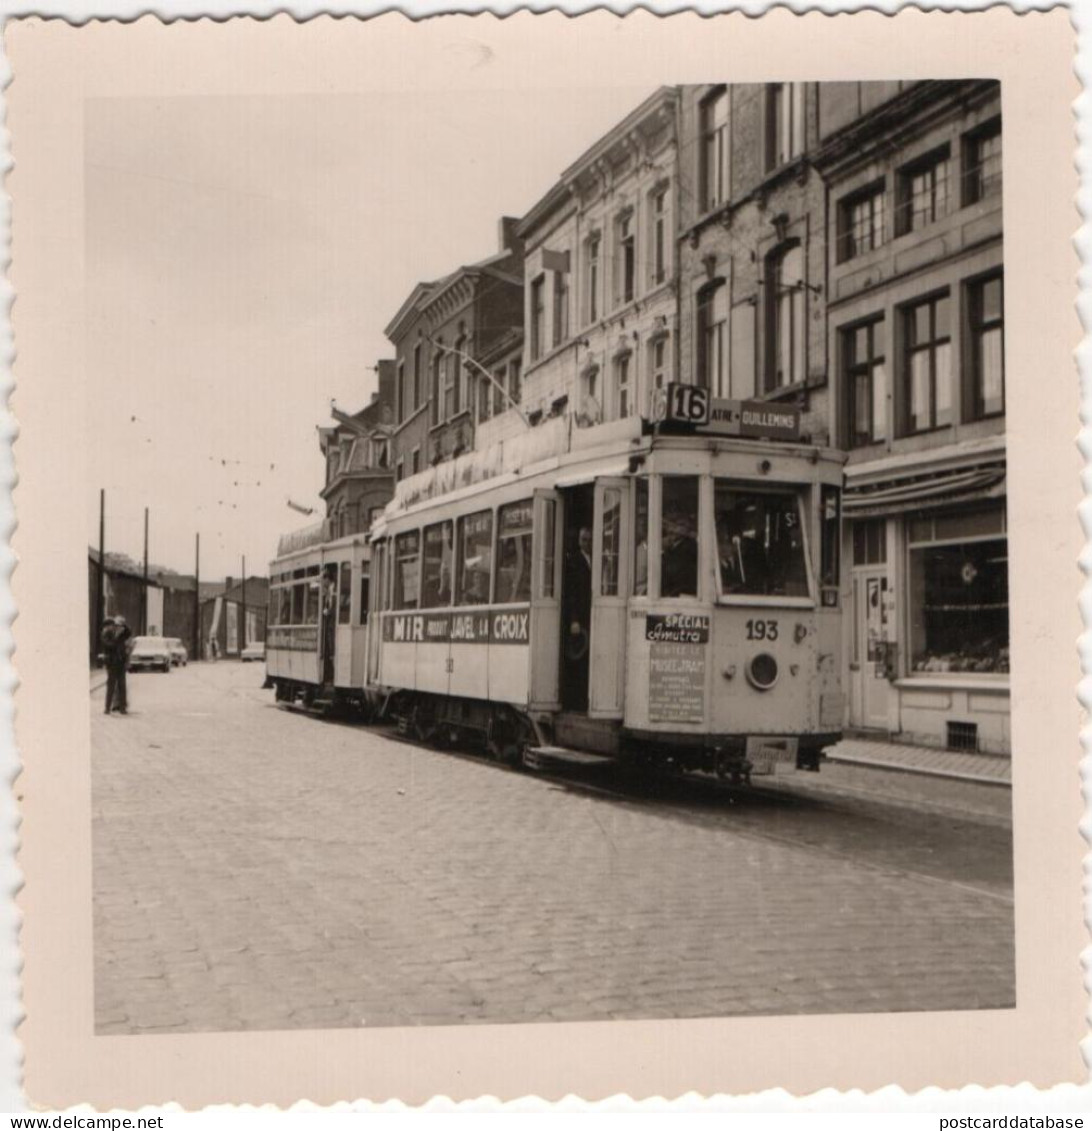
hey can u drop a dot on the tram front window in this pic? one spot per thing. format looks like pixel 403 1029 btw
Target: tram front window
pixel 760 542
pixel 679 536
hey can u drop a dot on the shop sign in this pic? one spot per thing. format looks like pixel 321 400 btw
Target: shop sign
pixel 676 683
pixel 694 407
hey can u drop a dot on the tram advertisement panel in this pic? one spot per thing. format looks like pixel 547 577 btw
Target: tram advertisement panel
pixel 676 667
pixel 502 626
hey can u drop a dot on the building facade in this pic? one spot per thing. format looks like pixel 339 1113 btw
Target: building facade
pixel 600 310
pixel 915 318
pixel 752 247
pixel 439 334
pixel 235 618
pixel 357 452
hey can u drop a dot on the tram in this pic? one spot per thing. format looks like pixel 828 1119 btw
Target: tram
pixel 655 595
pixel 317 622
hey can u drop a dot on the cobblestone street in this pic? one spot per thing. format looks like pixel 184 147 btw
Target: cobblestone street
pixel 256 868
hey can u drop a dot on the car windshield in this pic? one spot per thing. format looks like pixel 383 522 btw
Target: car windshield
pixel 149 642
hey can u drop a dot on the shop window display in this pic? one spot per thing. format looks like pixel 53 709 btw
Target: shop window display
pixel 959 606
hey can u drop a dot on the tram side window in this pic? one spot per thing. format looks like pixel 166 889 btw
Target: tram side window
pixel 611 557
pixel 311 606
pixel 514 552
pixel 475 559
pixel 436 580
pixel 407 560
pixel 640 538
pixel 760 542
pixel 679 537
pixel 364 599
pixel 345 594
pixel 297 602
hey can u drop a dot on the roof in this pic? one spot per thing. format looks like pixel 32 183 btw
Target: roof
pixel 257 591
pixel 414 300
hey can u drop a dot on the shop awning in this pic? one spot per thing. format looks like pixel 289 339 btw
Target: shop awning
pixel 925 492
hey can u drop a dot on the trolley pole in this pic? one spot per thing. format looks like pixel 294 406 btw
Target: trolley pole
pixel 197 597
pixel 144 601
pixel 242 635
pixel 100 595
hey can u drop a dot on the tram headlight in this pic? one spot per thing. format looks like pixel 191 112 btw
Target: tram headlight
pixel 762 671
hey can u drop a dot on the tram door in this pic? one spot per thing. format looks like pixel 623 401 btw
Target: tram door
pixel 328 626
pixel 343 634
pixel 545 691
pixel 609 599
pixel 578 518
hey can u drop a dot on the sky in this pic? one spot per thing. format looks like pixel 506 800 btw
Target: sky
pixel 243 256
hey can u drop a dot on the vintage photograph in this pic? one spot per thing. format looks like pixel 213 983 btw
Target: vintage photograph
pixel 546 557
pixel 564 589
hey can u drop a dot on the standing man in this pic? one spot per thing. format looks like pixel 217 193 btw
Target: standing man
pixel 577 599
pixel 115 644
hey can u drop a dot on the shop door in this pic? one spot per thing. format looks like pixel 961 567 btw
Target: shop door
pixel 545 689
pixel 610 582
pixel 872 645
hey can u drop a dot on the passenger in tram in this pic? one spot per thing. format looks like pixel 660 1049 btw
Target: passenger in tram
pixel 578 601
pixel 679 562
pixel 742 561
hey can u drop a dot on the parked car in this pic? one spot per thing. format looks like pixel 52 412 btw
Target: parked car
pixel 255 651
pixel 150 652
pixel 179 655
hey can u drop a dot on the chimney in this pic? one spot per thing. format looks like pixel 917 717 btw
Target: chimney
pixel 386 370
pixel 509 241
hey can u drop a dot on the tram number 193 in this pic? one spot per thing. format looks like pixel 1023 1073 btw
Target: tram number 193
pixel 762 630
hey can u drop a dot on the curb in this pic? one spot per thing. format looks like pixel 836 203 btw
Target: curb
pixel 898 767
pixel 97 687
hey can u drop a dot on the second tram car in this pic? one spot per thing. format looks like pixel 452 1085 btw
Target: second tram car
pixel 666 599
pixel 317 623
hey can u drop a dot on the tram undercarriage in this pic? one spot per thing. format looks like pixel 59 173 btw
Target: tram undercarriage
pixel 327 700
pixel 515 738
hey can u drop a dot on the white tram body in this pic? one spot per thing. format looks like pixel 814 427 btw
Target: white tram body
pixel 662 598
pixel 317 623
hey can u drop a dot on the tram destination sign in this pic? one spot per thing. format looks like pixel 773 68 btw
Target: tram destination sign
pixel 693 407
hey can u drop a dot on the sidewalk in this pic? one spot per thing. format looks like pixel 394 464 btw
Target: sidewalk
pixel 986 769
pixel 98 679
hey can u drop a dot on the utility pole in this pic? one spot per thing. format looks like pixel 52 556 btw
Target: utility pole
pixel 144 602
pixel 100 595
pixel 197 598
pixel 243 637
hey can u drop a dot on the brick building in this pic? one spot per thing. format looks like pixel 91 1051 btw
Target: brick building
pixel 915 338
pixel 359 472
pixel 440 330
pixel 752 257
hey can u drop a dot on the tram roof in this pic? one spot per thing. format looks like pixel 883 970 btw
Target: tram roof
pixel 317 549
pixel 579 456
